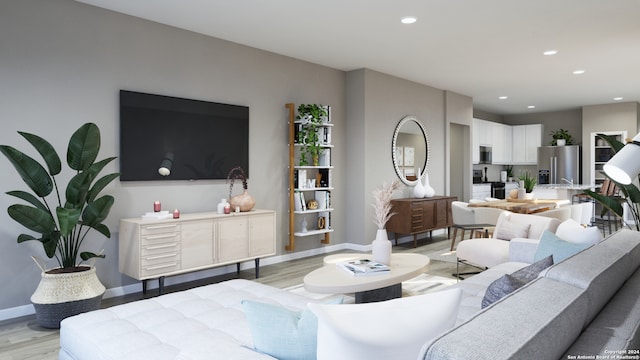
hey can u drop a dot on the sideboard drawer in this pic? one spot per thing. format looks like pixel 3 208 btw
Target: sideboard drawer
pixel 160 229
pixel 159 269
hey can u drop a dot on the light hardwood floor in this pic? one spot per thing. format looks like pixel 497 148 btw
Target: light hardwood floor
pixel 23 338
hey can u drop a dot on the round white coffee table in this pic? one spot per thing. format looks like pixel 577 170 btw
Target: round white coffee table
pixel 331 279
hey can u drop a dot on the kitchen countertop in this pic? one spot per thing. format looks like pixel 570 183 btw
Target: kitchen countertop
pixel 564 186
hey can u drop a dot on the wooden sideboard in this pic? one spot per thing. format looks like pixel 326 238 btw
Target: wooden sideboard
pixel 414 216
pixel 150 249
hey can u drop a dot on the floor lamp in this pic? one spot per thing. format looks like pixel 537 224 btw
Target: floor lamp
pixel 625 164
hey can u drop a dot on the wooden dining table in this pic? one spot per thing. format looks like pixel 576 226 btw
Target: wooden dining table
pixel 521 206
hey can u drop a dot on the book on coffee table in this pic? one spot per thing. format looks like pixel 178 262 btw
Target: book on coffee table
pixel 363 267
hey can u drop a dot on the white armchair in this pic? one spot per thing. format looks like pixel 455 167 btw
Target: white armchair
pixel 487 253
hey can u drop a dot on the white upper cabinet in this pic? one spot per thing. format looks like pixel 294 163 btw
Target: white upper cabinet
pixel 509 144
pixel 501 143
pixel 526 140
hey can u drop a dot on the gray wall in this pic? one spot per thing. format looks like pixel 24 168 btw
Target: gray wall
pixel 607 117
pixel 376 103
pixel 63 63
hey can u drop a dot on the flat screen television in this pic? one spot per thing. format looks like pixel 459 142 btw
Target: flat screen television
pixel 192 139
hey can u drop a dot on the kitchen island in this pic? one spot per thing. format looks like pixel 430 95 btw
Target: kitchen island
pixel 559 191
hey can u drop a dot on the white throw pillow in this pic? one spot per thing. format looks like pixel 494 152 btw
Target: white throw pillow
pixel 394 329
pixel 569 230
pixel 510 229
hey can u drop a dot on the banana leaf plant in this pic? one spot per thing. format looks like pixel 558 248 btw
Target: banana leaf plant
pixel 629 194
pixel 62 225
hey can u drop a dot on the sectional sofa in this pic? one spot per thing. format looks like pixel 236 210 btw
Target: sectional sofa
pixel 587 304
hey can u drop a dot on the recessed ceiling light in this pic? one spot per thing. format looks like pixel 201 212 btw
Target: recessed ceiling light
pixel 550 52
pixel 618 98
pixel 409 19
pixel 578 72
pixel 531 107
pixel 503 97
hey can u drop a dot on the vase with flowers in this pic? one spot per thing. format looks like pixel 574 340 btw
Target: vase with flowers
pixel 381 246
pixel 244 201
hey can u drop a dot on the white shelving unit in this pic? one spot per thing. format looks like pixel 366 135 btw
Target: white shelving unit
pixel 601 152
pixel 301 192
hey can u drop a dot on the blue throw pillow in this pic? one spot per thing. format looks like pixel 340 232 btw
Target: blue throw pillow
pixel 550 244
pixel 282 333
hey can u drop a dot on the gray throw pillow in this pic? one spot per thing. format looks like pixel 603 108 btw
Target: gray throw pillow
pixel 532 271
pixel 500 288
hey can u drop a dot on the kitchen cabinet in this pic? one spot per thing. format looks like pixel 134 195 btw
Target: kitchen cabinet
pixel 501 143
pixel 417 215
pixel 526 140
pixel 481 137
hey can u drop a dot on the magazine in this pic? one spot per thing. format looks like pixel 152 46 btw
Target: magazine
pixel 363 267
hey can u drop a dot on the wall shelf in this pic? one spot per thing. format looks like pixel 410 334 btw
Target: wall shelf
pixel 299 176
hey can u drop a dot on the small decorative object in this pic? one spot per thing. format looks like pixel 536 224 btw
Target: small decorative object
pixel 304 225
pixel 561 137
pixel 428 190
pixel 157 206
pixel 311 116
pixel 312 205
pixel 381 246
pixel 322 223
pixel 418 189
pixel 59 224
pixel 245 201
pixel 176 214
pixel 227 208
pixel 221 206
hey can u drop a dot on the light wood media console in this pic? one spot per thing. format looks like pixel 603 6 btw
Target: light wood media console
pixel 150 249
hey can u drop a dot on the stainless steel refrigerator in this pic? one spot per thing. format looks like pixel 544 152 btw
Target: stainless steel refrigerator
pixel 559 162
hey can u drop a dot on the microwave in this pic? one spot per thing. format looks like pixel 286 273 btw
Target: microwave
pixel 485 154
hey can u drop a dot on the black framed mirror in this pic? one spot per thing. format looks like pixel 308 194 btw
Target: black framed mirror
pixel 410 150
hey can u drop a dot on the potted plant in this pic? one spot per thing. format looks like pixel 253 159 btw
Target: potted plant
pixel 62 224
pixel 509 170
pixel 629 194
pixel 528 181
pixel 311 117
pixel 244 201
pixel 561 137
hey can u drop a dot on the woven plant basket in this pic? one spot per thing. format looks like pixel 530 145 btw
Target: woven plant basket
pixel 59 296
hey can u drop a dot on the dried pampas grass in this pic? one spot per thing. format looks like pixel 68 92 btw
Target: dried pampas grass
pixel 382 203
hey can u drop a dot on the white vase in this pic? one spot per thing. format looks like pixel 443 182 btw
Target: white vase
pixel 381 247
pixel 418 190
pixel 428 190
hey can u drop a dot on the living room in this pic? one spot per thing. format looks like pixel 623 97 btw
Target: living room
pixel 67 62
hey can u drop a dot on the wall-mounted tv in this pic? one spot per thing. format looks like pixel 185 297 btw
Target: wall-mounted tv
pixel 188 139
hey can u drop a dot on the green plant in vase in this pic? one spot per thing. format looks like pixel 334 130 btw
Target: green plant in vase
pixel 561 134
pixel 311 117
pixel 62 228
pixel 528 180
pixel 62 223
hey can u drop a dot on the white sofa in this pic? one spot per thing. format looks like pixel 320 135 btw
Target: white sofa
pixel 489 252
pixel 206 322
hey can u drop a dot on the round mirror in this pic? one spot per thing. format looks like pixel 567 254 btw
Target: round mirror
pixel 410 150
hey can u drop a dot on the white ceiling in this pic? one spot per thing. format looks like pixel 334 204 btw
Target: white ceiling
pixel 480 48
